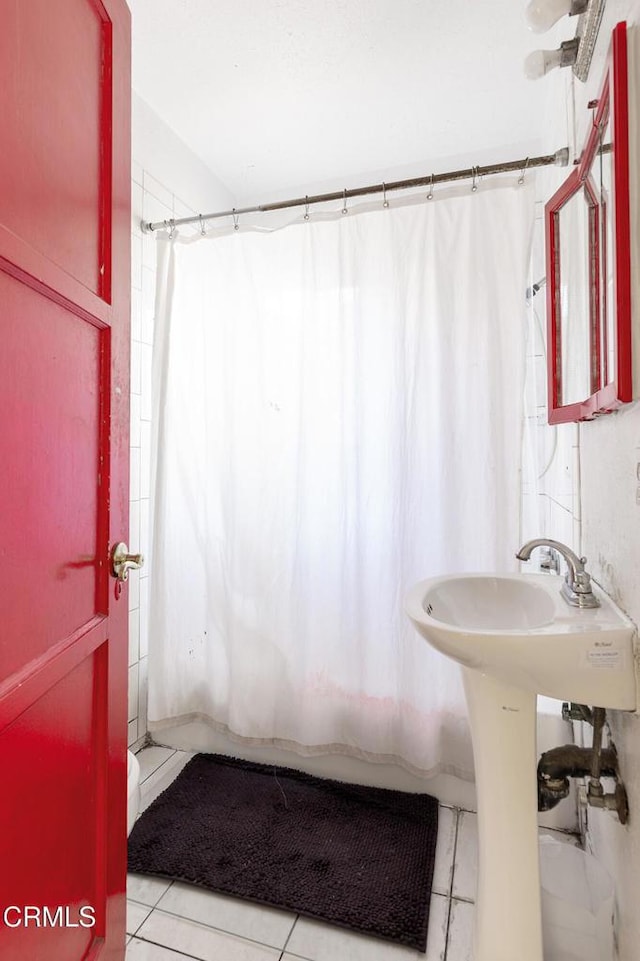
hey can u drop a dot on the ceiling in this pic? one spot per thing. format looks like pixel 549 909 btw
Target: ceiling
pixel 275 95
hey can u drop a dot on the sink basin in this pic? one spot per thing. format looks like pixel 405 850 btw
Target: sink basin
pixel 515 637
pixel 519 629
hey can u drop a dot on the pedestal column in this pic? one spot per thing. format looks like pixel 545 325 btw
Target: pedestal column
pixel 508 922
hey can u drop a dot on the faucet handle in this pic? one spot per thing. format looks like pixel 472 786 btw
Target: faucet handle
pixel 576 588
pixel 582 579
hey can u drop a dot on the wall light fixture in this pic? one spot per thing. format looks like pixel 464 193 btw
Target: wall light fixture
pixel 542 14
pixel 540 62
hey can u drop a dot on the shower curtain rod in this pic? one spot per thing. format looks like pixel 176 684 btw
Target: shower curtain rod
pixel 560 159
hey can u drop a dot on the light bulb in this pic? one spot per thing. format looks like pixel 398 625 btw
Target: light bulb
pixel 540 62
pixel 534 65
pixel 542 14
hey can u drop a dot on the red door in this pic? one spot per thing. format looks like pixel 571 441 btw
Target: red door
pixel 64 385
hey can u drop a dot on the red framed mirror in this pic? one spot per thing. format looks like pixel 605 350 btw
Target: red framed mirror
pixel 589 264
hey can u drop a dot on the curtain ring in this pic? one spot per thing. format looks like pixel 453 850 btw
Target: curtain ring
pixel 306 207
pixel 171 227
pixel 474 174
pixel 385 202
pixel 344 201
pixel 430 194
pixel 202 230
pixel 524 170
pixel 236 217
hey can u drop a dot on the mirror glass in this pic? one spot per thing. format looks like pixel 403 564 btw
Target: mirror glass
pixel 574 307
pixel 603 175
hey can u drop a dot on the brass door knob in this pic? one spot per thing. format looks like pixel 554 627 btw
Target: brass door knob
pixel 122 562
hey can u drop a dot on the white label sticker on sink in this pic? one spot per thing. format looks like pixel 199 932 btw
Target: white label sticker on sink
pixel 606 658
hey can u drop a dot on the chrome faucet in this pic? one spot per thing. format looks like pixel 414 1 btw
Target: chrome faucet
pixel 576 587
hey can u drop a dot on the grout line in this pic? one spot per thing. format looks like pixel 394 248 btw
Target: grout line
pixel 455 851
pixel 567 831
pixel 162 763
pixel 451 879
pixel 284 946
pixel 132 934
pixel 558 504
pixel 175 198
pixel 446 934
pixel 157 878
pixel 213 927
pixel 462 900
pixel 166 779
pixel 166 947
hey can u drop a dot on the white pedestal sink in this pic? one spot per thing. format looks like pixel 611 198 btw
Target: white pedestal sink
pixel 516 637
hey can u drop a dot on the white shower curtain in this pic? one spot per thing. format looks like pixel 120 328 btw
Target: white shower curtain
pixel 337 414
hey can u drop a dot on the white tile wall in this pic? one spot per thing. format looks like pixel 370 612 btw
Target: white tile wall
pixel 134 638
pixel 150 200
pixel 551 484
pixel 165 178
pixel 134 437
pixel 134 474
pixel 144 203
pixel 134 526
pixel 134 590
pixel 133 691
pixel 144 615
pixel 604 511
pixel 136 314
pixel 145 459
pixel 137 195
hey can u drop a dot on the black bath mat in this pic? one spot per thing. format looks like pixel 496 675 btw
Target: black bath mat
pixel 359 857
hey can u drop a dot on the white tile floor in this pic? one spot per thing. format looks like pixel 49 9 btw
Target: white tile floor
pixel 170 921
